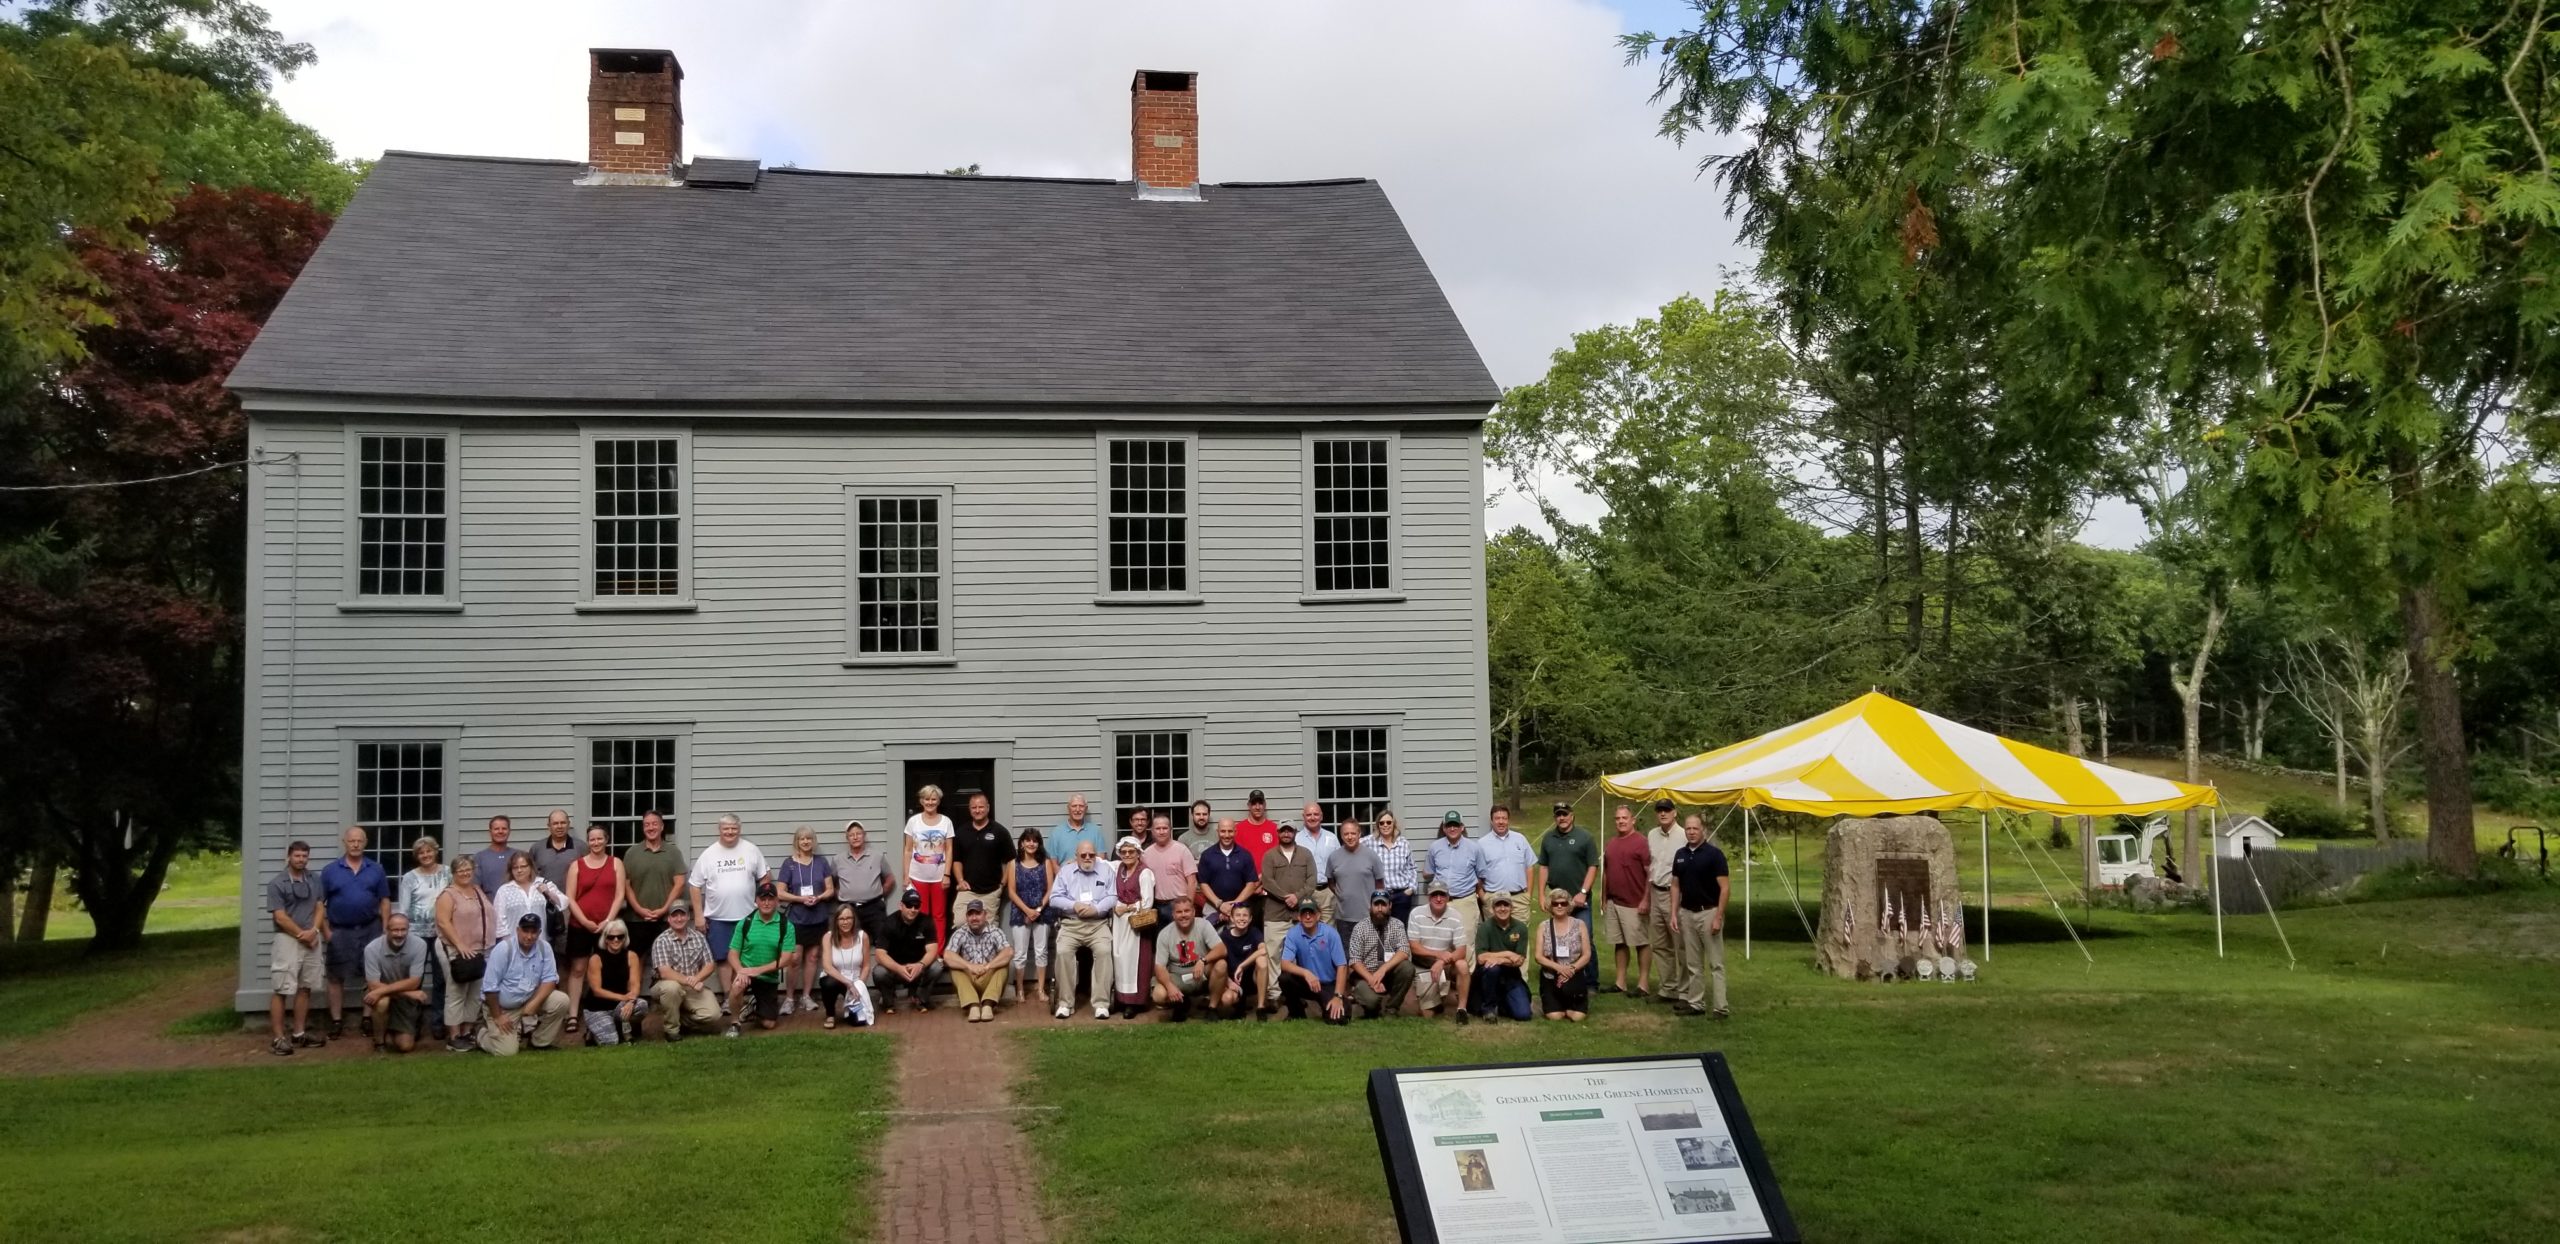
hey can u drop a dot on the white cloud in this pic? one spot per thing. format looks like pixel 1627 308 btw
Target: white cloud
pixel 1510 134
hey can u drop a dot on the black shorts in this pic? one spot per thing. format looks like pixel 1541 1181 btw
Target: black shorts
pixel 345 956
pixel 808 935
pixel 766 993
pixel 405 1015
pixel 582 941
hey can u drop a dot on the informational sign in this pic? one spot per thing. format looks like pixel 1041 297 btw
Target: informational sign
pixel 1654 1150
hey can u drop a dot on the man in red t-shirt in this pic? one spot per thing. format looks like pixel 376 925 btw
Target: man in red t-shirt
pixel 1257 833
pixel 1625 879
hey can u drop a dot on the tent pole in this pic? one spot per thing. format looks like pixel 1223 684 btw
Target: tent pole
pixel 1982 821
pixel 1746 881
pixel 2217 886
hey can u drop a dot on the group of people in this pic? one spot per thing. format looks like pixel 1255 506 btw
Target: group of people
pixel 569 941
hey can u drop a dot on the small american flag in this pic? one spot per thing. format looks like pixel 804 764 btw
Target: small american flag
pixel 1927 933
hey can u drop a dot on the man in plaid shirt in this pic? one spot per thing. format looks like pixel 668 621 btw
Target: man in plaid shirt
pixel 682 992
pixel 1381 962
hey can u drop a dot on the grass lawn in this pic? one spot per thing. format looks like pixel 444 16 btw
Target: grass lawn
pixel 768 1139
pixel 200 892
pixel 45 984
pixel 2399 1085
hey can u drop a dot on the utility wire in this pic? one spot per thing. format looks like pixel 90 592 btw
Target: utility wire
pixel 154 479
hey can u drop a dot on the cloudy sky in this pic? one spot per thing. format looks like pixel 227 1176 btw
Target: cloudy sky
pixel 1515 141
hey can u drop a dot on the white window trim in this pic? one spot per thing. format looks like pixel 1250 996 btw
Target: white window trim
pixel 1391 721
pixel 448 736
pixel 1102 593
pixel 1307 593
pixel 351 600
pixel 854 495
pixel 688 519
pixel 1196 727
pixel 582 737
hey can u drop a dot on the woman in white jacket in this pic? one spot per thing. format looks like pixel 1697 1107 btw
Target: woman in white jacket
pixel 1132 948
pixel 526 890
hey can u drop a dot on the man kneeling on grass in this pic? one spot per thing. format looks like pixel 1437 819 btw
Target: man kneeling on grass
pixel 521 991
pixel 1502 946
pixel 395 986
pixel 761 947
pixel 1191 963
pixel 682 958
pixel 1246 970
pixel 1313 967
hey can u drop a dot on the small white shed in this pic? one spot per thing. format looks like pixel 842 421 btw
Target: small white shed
pixel 2246 835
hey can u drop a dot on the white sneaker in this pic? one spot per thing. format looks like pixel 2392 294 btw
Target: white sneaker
pixel 1102 1012
pixel 786 1005
pixel 1063 1012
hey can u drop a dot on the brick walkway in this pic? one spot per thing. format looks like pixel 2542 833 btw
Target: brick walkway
pixel 955 1166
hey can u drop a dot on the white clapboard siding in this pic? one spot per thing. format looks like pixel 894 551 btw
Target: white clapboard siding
pixel 780 729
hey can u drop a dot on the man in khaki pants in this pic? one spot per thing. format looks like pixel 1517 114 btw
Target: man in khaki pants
pixel 1700 884
pixel 1661 918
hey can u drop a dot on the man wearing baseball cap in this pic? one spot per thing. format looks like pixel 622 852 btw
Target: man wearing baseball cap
pixel 1440 943
pixel 906 955
pixel 1569 860
pixel 1257 832
pixel 760 948
pixel 1501 986
pixel 1288 875
pixel 521 990
pixel 1381 960
pixel 1456 862
pixel 977 955
pixel 1661 915
pixel 682 991
pixel 1313 966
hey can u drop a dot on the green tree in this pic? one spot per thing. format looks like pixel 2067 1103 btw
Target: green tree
pixel 1554 681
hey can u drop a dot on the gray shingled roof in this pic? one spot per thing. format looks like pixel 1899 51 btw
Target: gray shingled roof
pixel 503 281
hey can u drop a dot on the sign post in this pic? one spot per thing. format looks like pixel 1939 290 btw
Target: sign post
pixel 1643 1150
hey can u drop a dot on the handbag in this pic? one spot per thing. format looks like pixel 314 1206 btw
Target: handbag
pixel 469 968
pixel 1143 918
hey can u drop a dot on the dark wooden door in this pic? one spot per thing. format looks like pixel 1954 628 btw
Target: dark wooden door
pixel 958 778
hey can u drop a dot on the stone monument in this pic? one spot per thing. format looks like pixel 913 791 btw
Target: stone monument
pixel 1889 898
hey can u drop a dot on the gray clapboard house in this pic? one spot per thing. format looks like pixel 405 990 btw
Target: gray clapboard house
pixel 636 482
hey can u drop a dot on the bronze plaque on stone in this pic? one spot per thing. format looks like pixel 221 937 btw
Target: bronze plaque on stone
pixel 1905 879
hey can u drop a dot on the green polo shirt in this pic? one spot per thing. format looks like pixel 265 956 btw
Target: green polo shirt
pixel 760 942
pixel 1492 937
pixel 1568 855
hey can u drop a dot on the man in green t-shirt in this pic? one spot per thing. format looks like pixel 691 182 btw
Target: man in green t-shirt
pixel 653 876
pixel 1569 860
pixel 1502 950
pixel 759 950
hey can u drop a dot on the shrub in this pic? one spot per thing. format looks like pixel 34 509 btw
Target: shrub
pixel 2060 838
pixel 2422 879
pixel 2303 816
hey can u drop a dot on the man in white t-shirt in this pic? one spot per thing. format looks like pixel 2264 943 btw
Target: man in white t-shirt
pixel 725 875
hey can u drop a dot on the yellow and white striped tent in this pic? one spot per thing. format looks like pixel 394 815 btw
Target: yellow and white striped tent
pixel 1876 756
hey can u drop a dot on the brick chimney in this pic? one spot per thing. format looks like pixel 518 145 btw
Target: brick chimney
pixel 635 111
pixel 1164 134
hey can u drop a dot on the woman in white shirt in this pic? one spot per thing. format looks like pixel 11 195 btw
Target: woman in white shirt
pixel 844 961
pixel 527 891
pixel 1134 887
pixel 929 859
pixel 419 888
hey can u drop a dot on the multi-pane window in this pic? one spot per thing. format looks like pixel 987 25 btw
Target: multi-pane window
pixel 1150 769
pixel 1351 772
pixel 1147 516
pixel 401 515
pixel 1352 536
pixel 639 493
pixel 399 799
pixel 627 777
pixel 898 579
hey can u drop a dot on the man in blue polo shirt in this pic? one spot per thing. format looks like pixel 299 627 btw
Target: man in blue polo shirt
pixel 1312 966
pixel 1229 876
pixel 358 895
pixel 1456 862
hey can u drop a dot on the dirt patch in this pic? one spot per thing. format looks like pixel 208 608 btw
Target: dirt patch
pixel 129 1036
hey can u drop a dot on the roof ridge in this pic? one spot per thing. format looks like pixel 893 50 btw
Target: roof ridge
pixel 481 159
pixel 848 172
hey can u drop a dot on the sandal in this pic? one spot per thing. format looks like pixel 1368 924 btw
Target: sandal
pixel 828 1022
pixel 572 1027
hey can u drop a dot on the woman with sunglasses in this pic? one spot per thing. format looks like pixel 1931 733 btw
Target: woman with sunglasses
pixel 612 1001
pixel 1396 868
pixel 844 964
pixel 1562 950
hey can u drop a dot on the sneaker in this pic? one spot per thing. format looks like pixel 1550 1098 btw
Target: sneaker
pixel 1463 1017
pixel 1722 1013
pixel 888 1007
pixel 787 1000
pixel 337 1025
pixel 1102 1012
pixel 280 1047
pixel 1064 1013
pixel 309 1040
pixel 457 1043
pixel 1684 1009
pixel 732 1033
pixel 674 1033
pixel 364 1023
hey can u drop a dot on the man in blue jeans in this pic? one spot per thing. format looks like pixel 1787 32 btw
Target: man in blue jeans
pixel 358 895
pixel 1502 950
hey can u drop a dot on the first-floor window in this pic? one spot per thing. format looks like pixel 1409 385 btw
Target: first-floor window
pixel 1150 769
pixel 1351 772
pixel 627 777
pixel 400 798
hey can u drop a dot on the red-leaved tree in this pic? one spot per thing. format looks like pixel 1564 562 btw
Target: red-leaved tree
pixel 120 607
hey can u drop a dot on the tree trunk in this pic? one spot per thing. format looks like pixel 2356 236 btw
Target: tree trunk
pixel 2190 689
pixel 2102 734
pixel 39 911
pixel 2073 739
pixel 2338 745
pixel 1915 607
pixel 2446 762
pixel 8 902
pixel 2088 855
pixel 1511 771
pixel 1947 603
pixel 2376 784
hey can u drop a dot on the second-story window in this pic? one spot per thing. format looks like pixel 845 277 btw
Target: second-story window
pixel 639 518
pixel 901 556
pixel 1147 489
pixel 1351 543
pixel 403 513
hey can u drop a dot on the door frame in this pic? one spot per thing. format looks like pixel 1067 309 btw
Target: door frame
pixel 897 756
